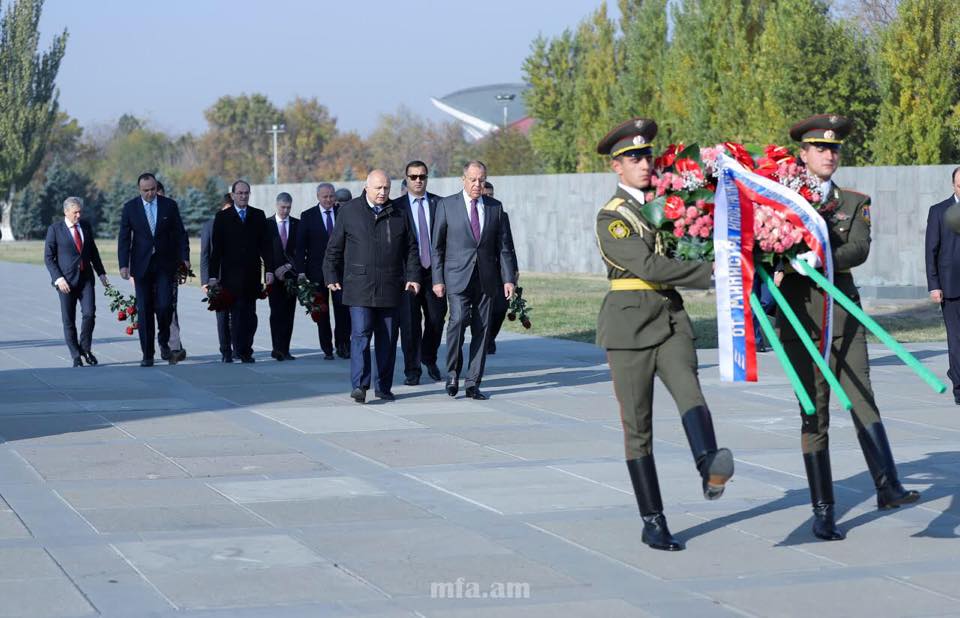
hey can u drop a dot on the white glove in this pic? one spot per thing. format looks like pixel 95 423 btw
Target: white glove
pixel 810 258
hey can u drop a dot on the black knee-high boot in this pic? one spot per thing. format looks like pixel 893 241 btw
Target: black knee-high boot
pixel 876 450
pixel 820 479
pixel 715 465
pixel 646 487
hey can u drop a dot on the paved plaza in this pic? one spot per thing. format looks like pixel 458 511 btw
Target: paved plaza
pixel 205 489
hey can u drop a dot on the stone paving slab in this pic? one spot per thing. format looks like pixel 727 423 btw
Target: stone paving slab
pixel 262 490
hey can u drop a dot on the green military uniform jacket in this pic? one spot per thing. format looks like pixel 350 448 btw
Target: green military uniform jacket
pixel 847 214
pixel 637 319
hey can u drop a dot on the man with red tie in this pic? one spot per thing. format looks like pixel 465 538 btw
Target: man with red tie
pixel 283 306
pixel 71 256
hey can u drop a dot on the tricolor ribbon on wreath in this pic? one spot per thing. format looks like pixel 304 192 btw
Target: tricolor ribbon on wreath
pixel 738 190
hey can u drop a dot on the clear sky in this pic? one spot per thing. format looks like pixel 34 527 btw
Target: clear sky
pixel 168 61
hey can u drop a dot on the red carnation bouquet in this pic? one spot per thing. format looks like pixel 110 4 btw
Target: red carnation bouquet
pixel 124 306
pixel 310 296
pixel 218 298
pixel 681 204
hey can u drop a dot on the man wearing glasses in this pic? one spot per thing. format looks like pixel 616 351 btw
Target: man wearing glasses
pixel 422 313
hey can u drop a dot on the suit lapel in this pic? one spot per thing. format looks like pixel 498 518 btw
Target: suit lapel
pixel 465 215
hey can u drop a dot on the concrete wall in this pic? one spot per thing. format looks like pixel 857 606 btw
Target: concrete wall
pixel 552 218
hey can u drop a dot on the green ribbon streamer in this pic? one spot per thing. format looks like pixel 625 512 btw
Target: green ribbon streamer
pixel 806 340
pixel 894 345
pixel 771 334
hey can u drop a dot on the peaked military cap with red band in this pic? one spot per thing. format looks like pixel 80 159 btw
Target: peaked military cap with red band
pixel 822 129
pixel 634 137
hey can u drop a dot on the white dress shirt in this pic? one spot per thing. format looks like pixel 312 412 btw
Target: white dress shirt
pixel 825 190
pixel 636 194
pixel 480 208
pixel 426 213
pixel 70 231
pixel 323 216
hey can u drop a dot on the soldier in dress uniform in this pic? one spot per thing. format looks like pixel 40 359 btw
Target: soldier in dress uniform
pixel 847 214
pixel 646 332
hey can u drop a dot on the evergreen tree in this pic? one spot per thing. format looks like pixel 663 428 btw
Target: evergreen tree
pixel 596 88
pixel 117 192
pixel 645 45
pixel 799 75
pixel 39 208
pixel 28 99
pixel 550 69
pixel 918 71
pixel 709 83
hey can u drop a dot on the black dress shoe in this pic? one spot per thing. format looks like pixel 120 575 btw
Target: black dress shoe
pixel 226 358
pixel 247 359
pixel 289 356
pixel 412 380
pixel 165 354
pixel 77 362
pixel 492 348
pixel 434 372
pixel 452 387
pixel 147 362
pixel 359 395
pixel 473 392
pixel 328 356
pixel 90 358
pixel 385 395
pixel 276 355
pixel 343 351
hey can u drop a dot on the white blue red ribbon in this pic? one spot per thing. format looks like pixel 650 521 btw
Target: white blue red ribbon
pixel 738 189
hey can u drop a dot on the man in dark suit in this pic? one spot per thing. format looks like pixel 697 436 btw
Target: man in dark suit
pixel 373 246
pixel 500 303
pixel 223 317
pixel 71 256
pixel 174 352
pixel 472 262
pixel 240 253
pixel 943 273
pixel 283 238
pixel 420 342
pixel 313 233
pixel 151 246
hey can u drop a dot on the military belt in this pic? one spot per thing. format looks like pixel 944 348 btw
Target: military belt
pixel 619 285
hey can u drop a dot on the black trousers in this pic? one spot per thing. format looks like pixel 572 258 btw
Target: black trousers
pixel 340 334
pixel 243 325
pixel 951 318
pixel 498 313
pixel 282 310
pixel 421 319
pixel 174 342
pixel 468 308
pixel 84 294
pixel 223 333
pixel 154 292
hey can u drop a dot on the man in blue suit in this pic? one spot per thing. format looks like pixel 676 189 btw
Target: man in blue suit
pixel 943 273
pixel 151 246
pixel 313 233
pixel 71 256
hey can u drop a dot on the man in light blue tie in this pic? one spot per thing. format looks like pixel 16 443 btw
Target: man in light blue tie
pixel 151 246
pixel 421 314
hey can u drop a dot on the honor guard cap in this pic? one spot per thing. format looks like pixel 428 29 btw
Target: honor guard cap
pixel 633 136
pixel 822 129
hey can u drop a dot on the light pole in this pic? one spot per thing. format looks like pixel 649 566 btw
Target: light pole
pixel 276 130
pixel 505 98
